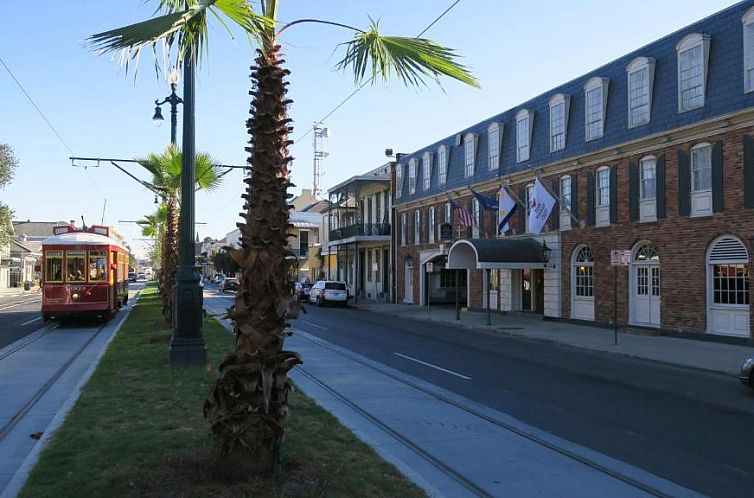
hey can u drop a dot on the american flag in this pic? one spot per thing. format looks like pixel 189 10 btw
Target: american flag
pixel 463 215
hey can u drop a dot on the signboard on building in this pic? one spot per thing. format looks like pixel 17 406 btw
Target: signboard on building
pixel 620 257
pixel 446 231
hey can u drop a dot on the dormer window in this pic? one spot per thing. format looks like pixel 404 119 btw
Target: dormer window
pixel 641 73
pixel 469 146
pixel 399 180
pixel 494 132
pixel 426 171
pixel 595 92
pixel 558 121
pixel 693 59
pixel 412 176
pixel 442 165
pixel 748 22
pixel 524 120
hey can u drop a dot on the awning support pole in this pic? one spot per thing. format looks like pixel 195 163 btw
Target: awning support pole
pixel 489 317
pixel 458 305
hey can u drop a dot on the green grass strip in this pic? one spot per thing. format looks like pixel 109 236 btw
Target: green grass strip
pixel 138 430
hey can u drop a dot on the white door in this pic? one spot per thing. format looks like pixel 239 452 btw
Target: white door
pixel 646 295
pixel 408 279
pixel 582 284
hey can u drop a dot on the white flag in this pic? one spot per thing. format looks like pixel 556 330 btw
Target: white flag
pixel 506 206
pixel 540 205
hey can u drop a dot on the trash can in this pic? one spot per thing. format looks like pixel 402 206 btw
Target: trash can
pixel 27 285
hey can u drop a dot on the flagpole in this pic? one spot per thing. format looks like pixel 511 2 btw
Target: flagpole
pixel 556 196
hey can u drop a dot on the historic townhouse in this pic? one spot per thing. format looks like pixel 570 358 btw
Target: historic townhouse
pixel 652 153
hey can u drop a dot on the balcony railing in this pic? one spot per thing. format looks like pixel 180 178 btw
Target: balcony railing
pixel 360 230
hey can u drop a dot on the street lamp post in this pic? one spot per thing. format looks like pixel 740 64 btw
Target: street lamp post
pixel 173 100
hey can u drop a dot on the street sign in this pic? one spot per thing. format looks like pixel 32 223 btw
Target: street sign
pixel 430 267
pixel 620 257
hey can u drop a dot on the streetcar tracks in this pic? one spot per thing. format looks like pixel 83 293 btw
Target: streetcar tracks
pixel 22 343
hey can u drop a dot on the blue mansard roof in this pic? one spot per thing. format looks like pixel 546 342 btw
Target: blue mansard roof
pixel 724 95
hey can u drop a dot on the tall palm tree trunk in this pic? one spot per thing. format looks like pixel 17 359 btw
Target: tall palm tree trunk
pixel 249 402
pixel 169 258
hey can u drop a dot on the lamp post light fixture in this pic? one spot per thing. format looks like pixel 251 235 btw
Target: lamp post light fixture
pixel 173 100
pixel 546 251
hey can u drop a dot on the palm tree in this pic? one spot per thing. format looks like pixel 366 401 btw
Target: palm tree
pixel 166 171
pixel 248 403
pixel 153 225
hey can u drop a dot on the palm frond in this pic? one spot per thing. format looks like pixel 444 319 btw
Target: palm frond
pixel 411 60
pixel 207 173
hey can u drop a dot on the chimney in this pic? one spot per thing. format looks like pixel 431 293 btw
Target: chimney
pixel 73 223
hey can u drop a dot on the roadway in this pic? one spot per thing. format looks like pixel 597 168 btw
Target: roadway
pixel 19 316
pixel 688 426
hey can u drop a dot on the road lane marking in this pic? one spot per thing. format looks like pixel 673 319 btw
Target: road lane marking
pixel 17 304
pixel 31 321
pixel 314 324
pixel 451 372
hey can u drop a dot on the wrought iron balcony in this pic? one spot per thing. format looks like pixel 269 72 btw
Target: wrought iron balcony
pixel 360 230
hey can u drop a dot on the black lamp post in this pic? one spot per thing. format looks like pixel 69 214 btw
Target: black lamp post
pixel 173 100
pixel 546 251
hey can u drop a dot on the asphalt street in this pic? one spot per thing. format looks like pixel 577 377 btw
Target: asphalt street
pixel 688 426
pixel 19 316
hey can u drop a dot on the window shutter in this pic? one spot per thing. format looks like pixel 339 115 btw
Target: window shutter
pixel 555 214
pixel 633 191
pixel 522 210
pixel 614 194
pixel 718 204
pixel 574 199
pixel 590 198
pixel 684 183
pixel 660 186
pixel 748 171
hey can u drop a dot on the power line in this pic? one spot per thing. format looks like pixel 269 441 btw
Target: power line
pixel 351 95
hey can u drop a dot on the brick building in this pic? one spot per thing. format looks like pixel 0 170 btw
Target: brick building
pixel 651 153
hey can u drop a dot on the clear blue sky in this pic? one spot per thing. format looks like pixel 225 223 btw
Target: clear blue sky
pixel 516 49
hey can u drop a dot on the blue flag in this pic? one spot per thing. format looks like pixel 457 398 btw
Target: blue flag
pixel 489 203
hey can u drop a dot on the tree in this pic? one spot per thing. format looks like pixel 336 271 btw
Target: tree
pixel 248 404
pixel 166 178
pixel 153 226
pixel 8 163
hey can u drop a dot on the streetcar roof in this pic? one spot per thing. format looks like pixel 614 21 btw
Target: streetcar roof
pixel 81 238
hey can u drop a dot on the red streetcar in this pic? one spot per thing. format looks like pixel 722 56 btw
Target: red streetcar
pixel 85 273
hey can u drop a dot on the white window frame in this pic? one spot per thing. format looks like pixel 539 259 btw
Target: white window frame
pixel 404 228
pixel 469 154
pixel 701 199
pixel 399 180
pixel 412 176
pixel 558 100
pixel 448 215
pixel 748 20
pixel 528 191
pixel 494 135
pixel 601 208
pixel 640 64
pixel 431 225
pixel 442 165
pixel 590 88
pixel 524 117
pixel 564 186
pixel 647 196
pixel 691 42
pixel 426 171
pixel 417 226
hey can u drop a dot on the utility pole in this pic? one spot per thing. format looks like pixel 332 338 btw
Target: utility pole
pixel 318 144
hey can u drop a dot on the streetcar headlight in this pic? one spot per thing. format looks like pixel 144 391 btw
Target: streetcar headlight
pixel 74 297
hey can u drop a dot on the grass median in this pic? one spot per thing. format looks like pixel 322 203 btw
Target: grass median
pixel 138 430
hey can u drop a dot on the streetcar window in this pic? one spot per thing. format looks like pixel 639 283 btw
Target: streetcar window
pixel 75 266
pixel 54 266
pixel 97 266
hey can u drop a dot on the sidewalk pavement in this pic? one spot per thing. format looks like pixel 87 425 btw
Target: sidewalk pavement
pixel 689 353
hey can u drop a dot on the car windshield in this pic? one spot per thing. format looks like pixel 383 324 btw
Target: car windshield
pixel 335 286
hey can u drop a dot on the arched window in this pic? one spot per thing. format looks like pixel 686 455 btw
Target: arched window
pixel 595 102
pixel 494 132
pixel 469 153
pixel 583 271
pixel 693 59
pixel 728 264
pixel 426 170
pixel 646 253
pixel 412 176
pixel 640 80
pixel 442 165
pixel 748 24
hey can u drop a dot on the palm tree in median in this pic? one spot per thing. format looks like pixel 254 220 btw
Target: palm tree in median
pixel 248 403
pixel 153 226
pixel 166 178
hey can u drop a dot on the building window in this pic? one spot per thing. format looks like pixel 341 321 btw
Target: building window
pixel 565 203
pixel 640 80
pixel 529 193
pixel 426 170
pixel 477 218
pixel 748 22
pixel 431 225
pixel 558 121
pixel 404 229
pixel 595 92
pixel 448 218
pixel 442 165
pixel 493 146
pixel 701 180
pixel 524 120
pixel 693 56
pixel 602 208
pixel 728 287
pixel 417 226
pixel 412 176
pixel 469 142
pixel 648 189
pixel 583 273
pixel 398 181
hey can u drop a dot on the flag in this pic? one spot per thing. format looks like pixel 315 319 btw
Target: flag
pixel 486 202
pixel 506 206
pixel 463 215
pixel 540 205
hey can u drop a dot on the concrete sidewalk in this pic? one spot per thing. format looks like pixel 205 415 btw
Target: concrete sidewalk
pixel 690 353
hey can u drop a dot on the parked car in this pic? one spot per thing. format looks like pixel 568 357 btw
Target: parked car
pixel 302 290
pixel 329 291
pixel 132 276
pixel 747 372
pixel 228 283
pixel 141 276
pixel 218 278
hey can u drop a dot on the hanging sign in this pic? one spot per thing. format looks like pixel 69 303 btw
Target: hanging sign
pixel 620 257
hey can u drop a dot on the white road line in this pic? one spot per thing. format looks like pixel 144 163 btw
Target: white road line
pixel 451 372
pixel 31 321
pixel 314 324
pixel 17 304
